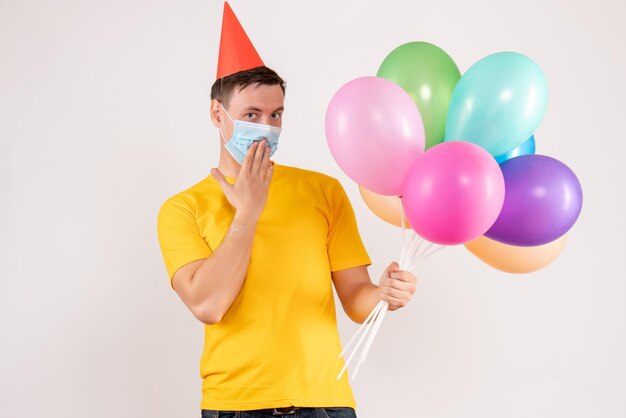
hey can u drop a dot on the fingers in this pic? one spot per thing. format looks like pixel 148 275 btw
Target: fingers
pixel 262 154
pixel 394 271
pixel 268 173
pixel 403 276
pixel 247 161
pixel 257 161
pixel 219 177
pixel 397 293
pixel 394 303
pixel 397 287
pixel 252 163
pixel 394 296
pixel 393 266
pixel 401 280
pixel 265 161
pixel 393 283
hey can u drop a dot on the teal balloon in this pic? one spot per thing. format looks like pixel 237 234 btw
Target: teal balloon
pixel 526 148
pixel 498 103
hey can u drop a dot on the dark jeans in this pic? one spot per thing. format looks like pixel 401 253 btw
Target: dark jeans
pixel 327 412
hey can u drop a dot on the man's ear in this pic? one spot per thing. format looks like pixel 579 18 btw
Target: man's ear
pixel 216 113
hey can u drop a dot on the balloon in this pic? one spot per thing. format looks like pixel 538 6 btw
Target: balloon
pixel 387 208
pixel 429 75
pixel 543 200
pixel 498 103
pixel 453 193
pixel 375 132
pixel 513 259
pixel 527 147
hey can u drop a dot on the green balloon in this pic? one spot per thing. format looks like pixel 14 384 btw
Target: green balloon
pixel 429 75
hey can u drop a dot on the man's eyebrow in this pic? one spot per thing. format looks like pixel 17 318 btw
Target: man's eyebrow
pixel 259 110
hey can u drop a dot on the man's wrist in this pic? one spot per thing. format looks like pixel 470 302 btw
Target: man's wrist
pixel 242 220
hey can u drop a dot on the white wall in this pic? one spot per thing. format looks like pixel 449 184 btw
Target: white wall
pixel 104 114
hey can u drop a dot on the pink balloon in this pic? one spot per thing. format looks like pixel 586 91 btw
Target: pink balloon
pixel 375 132
pixel 453 193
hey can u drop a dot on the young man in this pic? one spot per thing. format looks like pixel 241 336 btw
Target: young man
pixel 253 251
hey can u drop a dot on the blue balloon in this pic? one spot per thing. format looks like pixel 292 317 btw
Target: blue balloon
pixel 526 148
pixel 498 103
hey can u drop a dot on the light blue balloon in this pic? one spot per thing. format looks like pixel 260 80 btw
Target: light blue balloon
pixel 498 103
pixel 527 147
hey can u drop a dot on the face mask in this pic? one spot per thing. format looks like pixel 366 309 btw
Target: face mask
pixel 245 133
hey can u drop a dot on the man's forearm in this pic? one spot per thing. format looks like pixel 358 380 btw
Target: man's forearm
pixel 365 299
pixel 219 279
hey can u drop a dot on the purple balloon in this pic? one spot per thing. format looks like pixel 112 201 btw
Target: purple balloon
pixel 542 201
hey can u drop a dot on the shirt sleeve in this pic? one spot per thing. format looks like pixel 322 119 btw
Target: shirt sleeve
pixel 179 236
pixel 344 244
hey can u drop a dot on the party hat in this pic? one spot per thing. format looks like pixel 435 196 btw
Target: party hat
pixel 236 51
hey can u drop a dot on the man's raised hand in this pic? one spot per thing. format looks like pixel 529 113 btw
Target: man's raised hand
pixel 249 193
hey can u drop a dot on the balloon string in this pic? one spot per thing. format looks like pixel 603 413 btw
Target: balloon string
pixel 372 313
pixel 415 252
pixel 406 252
pixel 433 251
pixel 428 247
pixel 378 319
pixel 424 256
pixel 370 340
pixel 366 326
pixel 410 257
pixel 409 250
pixel 402 247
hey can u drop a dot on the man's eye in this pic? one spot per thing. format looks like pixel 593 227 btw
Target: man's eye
pixel 276 115
pixel 250 114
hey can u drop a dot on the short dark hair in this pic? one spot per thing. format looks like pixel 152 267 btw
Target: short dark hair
pixel 223 87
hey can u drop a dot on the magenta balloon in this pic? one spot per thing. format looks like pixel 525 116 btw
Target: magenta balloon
pixel 453 193
pixel 375 132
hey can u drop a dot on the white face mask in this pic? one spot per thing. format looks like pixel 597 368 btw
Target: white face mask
pixel 245 133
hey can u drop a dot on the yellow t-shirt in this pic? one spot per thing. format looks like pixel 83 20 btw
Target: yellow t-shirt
pixel 277 345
